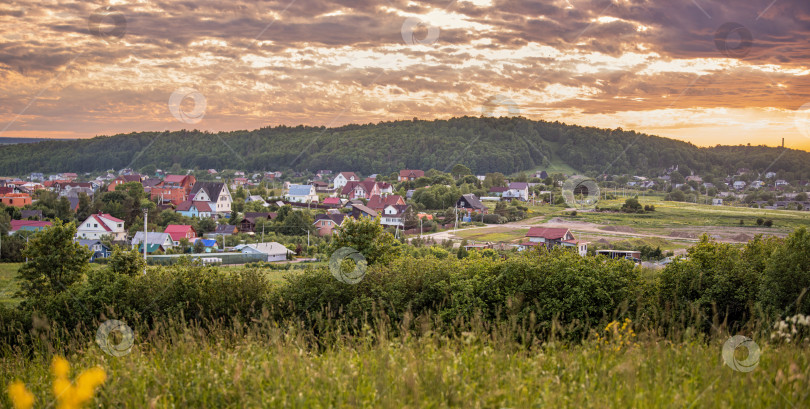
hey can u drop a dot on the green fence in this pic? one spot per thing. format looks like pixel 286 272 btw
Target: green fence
pixel 227 258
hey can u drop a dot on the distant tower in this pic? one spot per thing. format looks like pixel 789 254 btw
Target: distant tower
pixel 783 142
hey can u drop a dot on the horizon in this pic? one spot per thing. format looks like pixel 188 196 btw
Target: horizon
pixel 401 120
pixel 701 72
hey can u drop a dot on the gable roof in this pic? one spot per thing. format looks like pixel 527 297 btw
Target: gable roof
pixel 498 189
pixel 225 229
pixel 378 202
pixel 200 205
pixel 473 201
pixel 300 190
pixel 365 209
pixel 518 185
pixel 547 232
pixel 212 189
pixel 178 231
pixel 337 218
pixel 271 248
pixel 152 238
pixel 31 224
pixel 175 178
pixel 348 175
pixel 331 200
pixel 414 173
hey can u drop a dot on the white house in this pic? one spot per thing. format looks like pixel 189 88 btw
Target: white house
pixel 393 215
pixel 757 184
pixel 153 238
pixel 344 177
pixel 274 251
pixel 517 190
pixel 717 202
pixel 739 185
pixel 215 193
pixel 302 194
pixel 770 175
pixel 98 225
pixel 256 198
pixel 780 182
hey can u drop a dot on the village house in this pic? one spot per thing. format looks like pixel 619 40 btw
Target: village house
pixel 99 249
pixel 194 209
pixel 344 177
pixel 361 190
pixel 471 203
pixel 179 232
pixel 154 241
pixel 360 210
pixel 120 180
pixel 517 190
pixel 739 185
pixel 248 223
pixel 99 225
pixel 553 237
pixel 378 203
pixel 410 174
pixel 302 194
pixel 28 225
pixel 326 223
pixel 215 193
pixel 394 215
pixel 273 251
pixel 15 199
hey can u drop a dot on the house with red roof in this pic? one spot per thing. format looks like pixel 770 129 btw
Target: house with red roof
pixel 379 203
pixel 410 174
pixel 101 224
pixel 28 225
pixel 180 231
pixel 185 182
pixel 551 237
pixel 365 189
pixel 332 201
pixel 326 223
pixel 120 180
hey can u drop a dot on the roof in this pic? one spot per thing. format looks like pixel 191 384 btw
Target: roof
pixel 213 189
pixel 336 218
pixel 200 205
pixel 254 215
pixel 31 213
pixel 150 248
pixel 207 242
pixel 89 242
pixel 225 229
pixel 152 237
pixel 300 190
pixel 365 209
pixel 496 189
pixel 407 173
pixel 331 200
pixel 30 224
pixel 175 178
pixel 348 175
pixel 378 202
pixel 178 231
pixel 547 232
pixel 272 248
pixel 518 185
pixel 473 201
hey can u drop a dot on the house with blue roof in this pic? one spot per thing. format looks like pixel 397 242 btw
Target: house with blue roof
pixel 302 194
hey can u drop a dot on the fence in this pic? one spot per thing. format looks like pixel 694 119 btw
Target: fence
pixel 227 258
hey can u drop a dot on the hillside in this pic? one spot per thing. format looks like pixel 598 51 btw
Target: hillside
pixel 505 145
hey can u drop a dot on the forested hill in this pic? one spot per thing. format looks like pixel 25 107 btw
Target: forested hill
pixel 505 145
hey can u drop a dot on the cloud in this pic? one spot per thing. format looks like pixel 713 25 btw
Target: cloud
pixel 326 62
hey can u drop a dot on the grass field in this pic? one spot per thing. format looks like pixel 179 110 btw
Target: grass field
pixel 8 283
pixel 495 234
pixel 277 369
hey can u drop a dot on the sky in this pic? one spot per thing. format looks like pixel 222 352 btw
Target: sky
pixel 707 72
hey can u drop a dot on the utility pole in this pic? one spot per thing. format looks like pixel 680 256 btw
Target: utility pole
pixel 145 224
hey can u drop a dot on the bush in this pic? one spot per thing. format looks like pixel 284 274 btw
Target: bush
pixel 494 219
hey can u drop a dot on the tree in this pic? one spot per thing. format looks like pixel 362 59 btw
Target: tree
pixel 126 261
pixel 632 205
pixel 460 170
pixel 785 285
pixel 367 236
pixel 55 261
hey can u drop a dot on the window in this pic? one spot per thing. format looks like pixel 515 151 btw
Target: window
pixel 95 224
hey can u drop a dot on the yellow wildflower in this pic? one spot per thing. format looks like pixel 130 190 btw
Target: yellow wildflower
pixel 60 367
pixel 21 398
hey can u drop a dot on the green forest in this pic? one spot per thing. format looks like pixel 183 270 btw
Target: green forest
pixel 506 145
